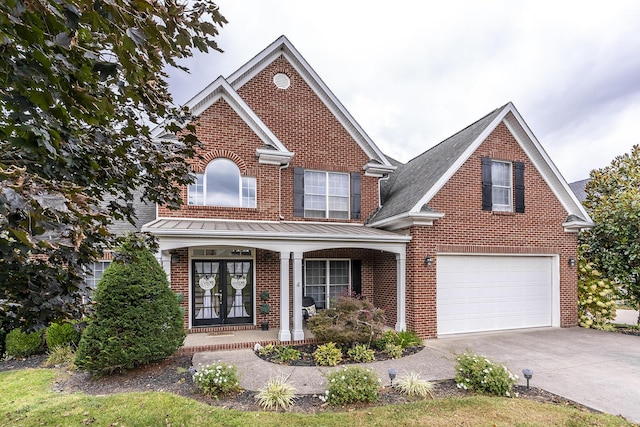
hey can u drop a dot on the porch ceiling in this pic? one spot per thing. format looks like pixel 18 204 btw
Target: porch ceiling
pixel 265 234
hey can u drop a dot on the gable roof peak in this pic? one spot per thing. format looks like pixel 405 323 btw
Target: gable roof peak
pixel 283 47
pixel 418 181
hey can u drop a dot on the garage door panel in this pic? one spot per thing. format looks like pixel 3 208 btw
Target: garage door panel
pixel 483 293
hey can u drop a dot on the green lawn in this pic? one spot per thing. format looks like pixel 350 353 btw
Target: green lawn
pixel 27 399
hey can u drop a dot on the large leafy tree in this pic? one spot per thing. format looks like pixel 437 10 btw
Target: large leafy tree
pixel 613 201
pixel 80 81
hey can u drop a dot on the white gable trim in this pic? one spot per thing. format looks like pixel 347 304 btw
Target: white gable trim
pixel 456 165
pixel 282 46
pixel 220 89
pixel 541 160
pixel 534 151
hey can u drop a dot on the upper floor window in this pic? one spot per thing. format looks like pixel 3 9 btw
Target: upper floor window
pixel 321 194
pixel 326 195
pixel 222 185
pixel 498 185
pixel 501 186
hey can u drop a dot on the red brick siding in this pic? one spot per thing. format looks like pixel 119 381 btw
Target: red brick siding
pixel 384 285
pixel 180 281
pixel 267 268
pixel 467 228
pixel 302 123
pixel 305 126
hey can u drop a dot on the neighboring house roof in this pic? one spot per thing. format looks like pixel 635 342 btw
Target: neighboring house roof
pixel 579 189
pixel 145 212
pixel 407 193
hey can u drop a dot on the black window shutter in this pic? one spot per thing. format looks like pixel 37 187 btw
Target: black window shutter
pixel 356 276
pixel 356 195
pixel 519 167
pixel 487 196
pixel 298 192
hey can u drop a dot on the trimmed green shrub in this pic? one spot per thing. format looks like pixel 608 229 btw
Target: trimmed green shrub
pixel 286 354
pixel 393 350
pixel 24 344
pixel 404 339
pixel 361 353
pixel 278 393
pixel 61 334
pixel 136 318
pixel 477 373
pixel 351 321
pixel 266 350
pixel 217 380
pixel 351 385
pixel 327 355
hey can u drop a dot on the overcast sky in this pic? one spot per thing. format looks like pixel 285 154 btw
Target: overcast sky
pixel 413 73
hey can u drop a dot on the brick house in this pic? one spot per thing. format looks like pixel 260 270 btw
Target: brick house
pixel 292 197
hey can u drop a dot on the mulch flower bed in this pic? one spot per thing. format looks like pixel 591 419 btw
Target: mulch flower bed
pixel 306 356
pixel 171 375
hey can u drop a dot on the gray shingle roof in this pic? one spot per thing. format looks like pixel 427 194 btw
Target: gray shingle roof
pixel 145 212
pixel 411 181
pixel 578 189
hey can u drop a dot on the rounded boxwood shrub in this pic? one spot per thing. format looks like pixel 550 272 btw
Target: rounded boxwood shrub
pixel 24 344
pixel 477 373
pixel 136 318
pixel 352 385
pixel 63 333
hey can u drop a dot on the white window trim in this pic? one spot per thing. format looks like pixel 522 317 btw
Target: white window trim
pixel 203 196
pixel 326 194
pixel 327 284
pixel 500 207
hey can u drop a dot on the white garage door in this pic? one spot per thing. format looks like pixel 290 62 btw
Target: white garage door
pixel 487 293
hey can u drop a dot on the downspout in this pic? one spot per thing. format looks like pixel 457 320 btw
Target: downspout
pixel 382 178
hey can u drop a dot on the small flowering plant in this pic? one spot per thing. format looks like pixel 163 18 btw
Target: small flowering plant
pixel 477 373
pixel 217 380
pixel 350 385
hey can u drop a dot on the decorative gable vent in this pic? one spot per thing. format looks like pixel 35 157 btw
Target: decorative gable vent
pixel 282 81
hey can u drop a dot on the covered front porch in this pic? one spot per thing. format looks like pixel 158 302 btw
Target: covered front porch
pixel 271 256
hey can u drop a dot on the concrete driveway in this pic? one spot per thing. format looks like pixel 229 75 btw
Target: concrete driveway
pixel 598 369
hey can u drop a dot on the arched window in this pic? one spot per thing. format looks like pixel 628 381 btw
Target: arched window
pixel 222 185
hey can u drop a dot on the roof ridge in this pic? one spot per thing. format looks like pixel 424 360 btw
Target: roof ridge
pixel 459 132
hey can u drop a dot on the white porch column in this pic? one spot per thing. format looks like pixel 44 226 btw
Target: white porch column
pixel 284 334
pixel 298 333
pixel 164 258
pixel 401 289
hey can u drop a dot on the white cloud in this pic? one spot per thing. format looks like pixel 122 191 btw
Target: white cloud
pixel 414 73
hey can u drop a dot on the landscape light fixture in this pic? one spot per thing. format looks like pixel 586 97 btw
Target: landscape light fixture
pixel 428 261
pixel 528 374
pixel 392 375
pixel 572 262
